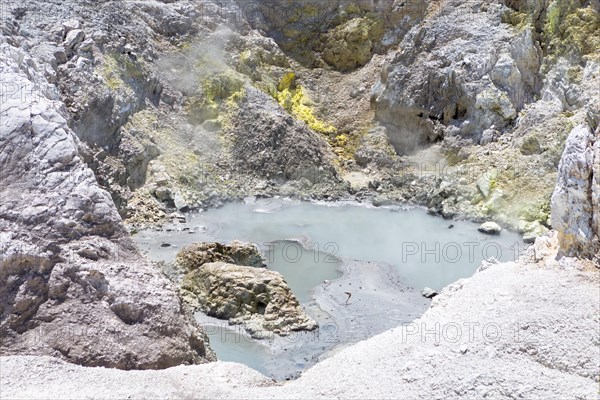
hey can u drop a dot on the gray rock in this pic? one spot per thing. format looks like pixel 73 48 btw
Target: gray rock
pixel 489 136
pixel 257 298
pixel 374 148
pixel 531 230
pixel 180 203
pixel 86 45
pixel 490 228
pixel 261 185
pixel 486 183
pixel 430 84
pixel 381 200
pixel 270 143
pixel 428 293
pixel 575 199
pixel 596 196
pixel 72 24
pixel 73 38
pixel 194 256
pixel 82 62
pixel 72 284
pixel 163 193
pixel 60 56
pixel 530 146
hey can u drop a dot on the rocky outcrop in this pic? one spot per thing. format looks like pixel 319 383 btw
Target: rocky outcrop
pixel 272 144
pixel 239 253
pixel 231 282
pixel 342 34
pixel 72 284
pixel 576 196
pixel 349 45
pixel 257 298
pixel 454 77
pixel 375 149
pixel 484 60
pixel 596 195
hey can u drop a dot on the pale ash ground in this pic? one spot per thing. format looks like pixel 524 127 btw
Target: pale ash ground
pixel 546 311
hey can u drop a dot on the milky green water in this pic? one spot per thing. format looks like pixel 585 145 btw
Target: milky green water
pixel 302 269
pixel 422 247
pixel 305 243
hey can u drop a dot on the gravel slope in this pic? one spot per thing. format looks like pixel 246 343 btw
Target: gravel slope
pixel 514 330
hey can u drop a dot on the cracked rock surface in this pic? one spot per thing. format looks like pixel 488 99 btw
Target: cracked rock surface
pixel 73 284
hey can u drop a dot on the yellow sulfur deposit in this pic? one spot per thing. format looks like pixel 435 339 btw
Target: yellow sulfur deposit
pixel 291 97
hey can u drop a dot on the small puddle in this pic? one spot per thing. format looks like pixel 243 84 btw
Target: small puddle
pixel 310 245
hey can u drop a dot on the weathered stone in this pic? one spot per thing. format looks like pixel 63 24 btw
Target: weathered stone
pixel 375 148
pixel 163 193
pixel 86 45
pixel 432 83
pixel 596 196
pixel 344 34
pixel 257 298
pixel 60 56
pixel 72 24
pixel 429 293
pixel 487 182
pixel 73 38
pixel 575 196
pixel 194 256
pixel 349 45
pixel 530 146
pixel 531 230
pixel 489 136
pixel 490 228
pixel 180 203
pixel 381 201
pixel 270 142
pixel 72 284
pixel 495 101
pixel 496 202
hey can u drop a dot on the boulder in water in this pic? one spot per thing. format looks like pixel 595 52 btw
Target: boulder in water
pixel 490 228
pixel 429 293
pixel 257 298
pixel 239 253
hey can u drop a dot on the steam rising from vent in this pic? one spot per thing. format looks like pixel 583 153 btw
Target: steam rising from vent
pixel 183 70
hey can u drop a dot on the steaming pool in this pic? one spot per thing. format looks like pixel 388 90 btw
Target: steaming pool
pixel 384 256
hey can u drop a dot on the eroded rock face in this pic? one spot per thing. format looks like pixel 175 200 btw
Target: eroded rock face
pixel 257 298
pixel 239 253
pixel 576 196
pixel 596 193
pixel 72 284
pixel 452 72
pixel 342 34
pixel 349 45
pixel 269 142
